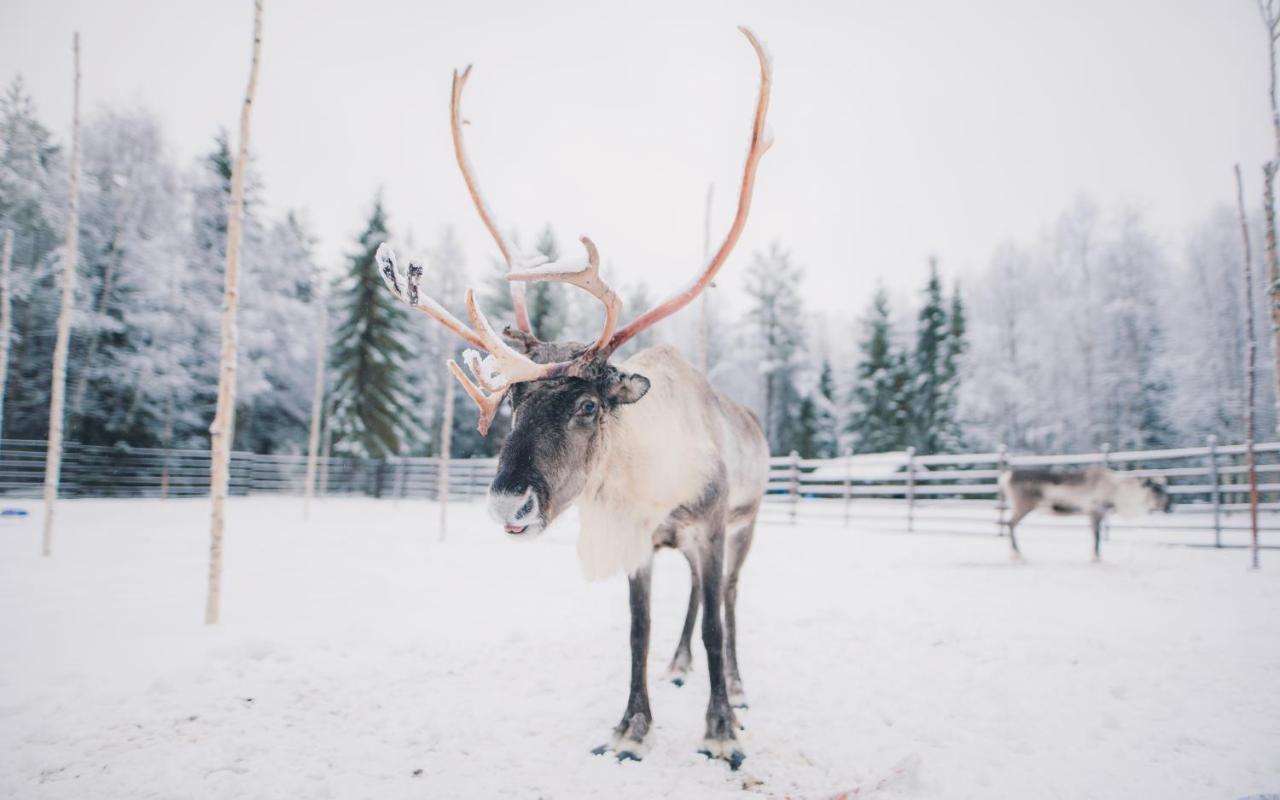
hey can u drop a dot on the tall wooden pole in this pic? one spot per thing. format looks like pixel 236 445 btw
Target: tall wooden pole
pixel 317 403
pixel 1251 368
pixel 703 333
pixel 446 440
pixel 223 429
pixel 6 256
pixel 57 395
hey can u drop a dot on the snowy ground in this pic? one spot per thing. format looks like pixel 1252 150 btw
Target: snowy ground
pixel 359 657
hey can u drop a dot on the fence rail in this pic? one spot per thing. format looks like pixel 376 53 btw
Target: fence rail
pixel 91 471
pixel 1209 484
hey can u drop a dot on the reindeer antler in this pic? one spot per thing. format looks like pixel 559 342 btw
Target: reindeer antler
pixel 760 143
pixel 494 375
pixel 586 276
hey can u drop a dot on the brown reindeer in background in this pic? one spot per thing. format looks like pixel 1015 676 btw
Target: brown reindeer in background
pixel 649 451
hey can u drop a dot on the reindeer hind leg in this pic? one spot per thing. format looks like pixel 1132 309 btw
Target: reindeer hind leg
pixel 736 549
pixel 682 661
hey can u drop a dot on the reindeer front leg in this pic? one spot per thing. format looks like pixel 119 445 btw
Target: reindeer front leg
pixel 631 738
pixel 721 740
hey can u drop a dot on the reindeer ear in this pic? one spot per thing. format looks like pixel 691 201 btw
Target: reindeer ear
pixel 627 388
pixel 520 340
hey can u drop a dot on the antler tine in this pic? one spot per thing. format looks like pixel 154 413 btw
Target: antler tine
pixel 759 145
pixel 586 276
pixel 512 366
pixel 409 289
pixel 464 164
pixel 488 403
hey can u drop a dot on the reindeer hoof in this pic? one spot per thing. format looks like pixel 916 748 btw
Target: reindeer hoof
pixel 676 673
pixel 630 740
pixel 720 741
pixel 733 756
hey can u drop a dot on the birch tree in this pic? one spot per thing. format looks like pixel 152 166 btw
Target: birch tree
pixel 1250 367
pixel 223 429
pixel 53 453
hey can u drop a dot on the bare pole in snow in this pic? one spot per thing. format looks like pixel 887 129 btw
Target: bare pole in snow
pixel 223 428
pixel 57 396
pixel 446 442
pixel 6 255
pixel 1251 369
pixel 317 404
pixel 703 322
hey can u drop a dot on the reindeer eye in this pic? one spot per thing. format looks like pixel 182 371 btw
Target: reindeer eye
pixel 588 408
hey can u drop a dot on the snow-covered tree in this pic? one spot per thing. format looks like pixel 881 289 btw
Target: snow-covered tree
pixel 881 394
pixel 776 314
pixel 280 280
pixel 130 253
pixel 826 424
pixel 373 403
pixel 32 198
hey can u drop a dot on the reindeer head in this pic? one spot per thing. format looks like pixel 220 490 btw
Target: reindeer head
pixel 563 394
pixel 1157 495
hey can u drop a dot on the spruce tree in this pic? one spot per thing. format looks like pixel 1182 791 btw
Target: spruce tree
pixel 950 435
pixel 827 439
pixel 927 395
pixel 545 300
pixel 882 389
pixel 805 429
pixel 371 396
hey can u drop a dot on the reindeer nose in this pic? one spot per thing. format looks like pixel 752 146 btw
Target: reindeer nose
pixel 514 510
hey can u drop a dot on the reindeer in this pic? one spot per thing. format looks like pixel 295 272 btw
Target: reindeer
pixel 652 455
pixel 1095 491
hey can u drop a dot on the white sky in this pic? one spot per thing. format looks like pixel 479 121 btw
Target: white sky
pixel 902 129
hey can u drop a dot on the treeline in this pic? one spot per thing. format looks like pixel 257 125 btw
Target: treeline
pixel 1097 333
pixel 144 349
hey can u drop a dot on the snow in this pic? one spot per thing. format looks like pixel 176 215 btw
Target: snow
pixel 569 266
pixel 359 657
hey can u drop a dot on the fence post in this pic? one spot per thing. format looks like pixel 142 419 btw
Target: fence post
pixel 794 478
pixel 1002 463
pixel 442 494
pixel 848 482
pixel 1106 464
pixel 911 489
pixel 1215 493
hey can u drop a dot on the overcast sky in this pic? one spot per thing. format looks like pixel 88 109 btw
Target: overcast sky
pixel 902 129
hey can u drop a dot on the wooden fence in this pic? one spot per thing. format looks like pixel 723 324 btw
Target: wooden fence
pixel 143 472
pixel 954 493
pixel 1209 486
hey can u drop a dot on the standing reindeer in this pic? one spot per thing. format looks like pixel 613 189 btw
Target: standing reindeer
pixel 1096 491
pixel 652 455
